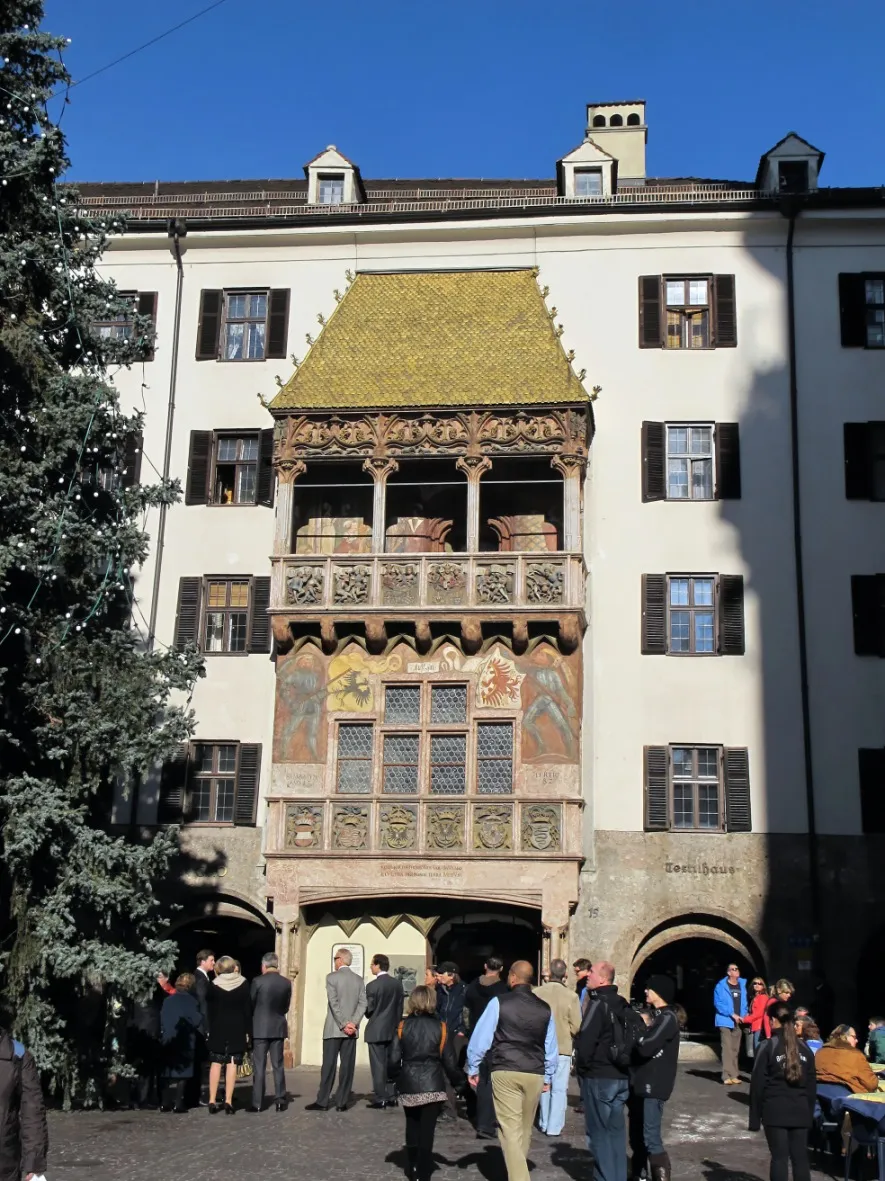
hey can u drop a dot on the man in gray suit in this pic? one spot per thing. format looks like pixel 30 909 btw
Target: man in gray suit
pixel 384 1008
pixel 271 997
pixel 347 1004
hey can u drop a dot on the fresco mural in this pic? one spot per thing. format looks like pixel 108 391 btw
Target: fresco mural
pixel 540 690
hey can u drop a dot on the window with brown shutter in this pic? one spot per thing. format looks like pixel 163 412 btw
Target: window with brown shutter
pixel 222 783
pixel 687 311
pixel 871 766
pixel 209 327
pixel 260 630
pixel 657 804
pixel 732 634
pixel 862 310
pixel 654 614
pixel 864 460
pixel 697 789
pixel 728 461
pixel 243 325
pixel 170 807
pixel 650 335
pixel 266 480
pixel 693 615
pixel 187 617
pixel 147 306
pixel 725 329
pixel 196 490
pixel 868 611
pixel 736 769
pixel 654 486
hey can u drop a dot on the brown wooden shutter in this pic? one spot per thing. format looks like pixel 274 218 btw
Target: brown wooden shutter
pixel 654 614
pixel 132 459
pixel 197 485
pixel 732 641
pixel 654 472
pixel 650 334
pixel 277 322
pixel 853 311
pixel 736 768
pixel 147 306
pixel 728 461
pixel 246 803
pixel 260 629
pixel 187 617
pixel 170 808
pixel 265 469
pixel 858 468
pixel 725 335
pixel 867 614
pixel 871 765
pixel 657 802
pixel 209 329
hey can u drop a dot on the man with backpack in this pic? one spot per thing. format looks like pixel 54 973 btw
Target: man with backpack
pixel 24 1140
pixel 604 1050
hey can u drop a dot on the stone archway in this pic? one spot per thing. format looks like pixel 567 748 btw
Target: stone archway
pixel 694 950
pixel 226 925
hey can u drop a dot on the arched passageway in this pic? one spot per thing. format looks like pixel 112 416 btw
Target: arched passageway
pixel 695 950
pixel 227 928
pixel 469 938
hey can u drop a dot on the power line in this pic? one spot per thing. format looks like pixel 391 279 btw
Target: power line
pixel 133 52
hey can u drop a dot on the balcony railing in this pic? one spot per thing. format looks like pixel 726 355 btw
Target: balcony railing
pixel 380 582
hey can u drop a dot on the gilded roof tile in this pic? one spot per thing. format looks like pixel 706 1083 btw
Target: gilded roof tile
pixel 443 338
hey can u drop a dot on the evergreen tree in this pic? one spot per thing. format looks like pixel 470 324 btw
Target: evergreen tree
pixel 86 710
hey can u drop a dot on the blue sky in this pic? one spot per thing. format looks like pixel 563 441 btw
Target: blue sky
pixel 485 88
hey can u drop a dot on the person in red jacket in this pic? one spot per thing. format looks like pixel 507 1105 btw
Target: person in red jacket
pixel 758 1001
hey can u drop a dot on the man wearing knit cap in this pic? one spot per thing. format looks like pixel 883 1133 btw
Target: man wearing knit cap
pixel 657 1052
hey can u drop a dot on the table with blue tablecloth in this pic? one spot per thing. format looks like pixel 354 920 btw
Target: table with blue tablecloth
pixel 869 1107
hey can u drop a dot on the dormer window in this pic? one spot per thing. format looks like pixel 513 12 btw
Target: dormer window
pixel 331 189
pixel 588 182
pixel 793 176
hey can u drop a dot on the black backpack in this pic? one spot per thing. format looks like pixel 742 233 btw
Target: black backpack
pixel 627 1028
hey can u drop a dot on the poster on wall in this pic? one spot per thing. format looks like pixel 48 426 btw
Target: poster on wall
pixel 409 969
pixel 358 963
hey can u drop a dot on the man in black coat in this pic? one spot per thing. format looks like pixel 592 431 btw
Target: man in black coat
pixel 202 983
pixel 24 1140
pixel 271 998
pixel 384 1009
pixel 656 1059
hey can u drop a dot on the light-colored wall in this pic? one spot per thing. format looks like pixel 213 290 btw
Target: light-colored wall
pixel 840 537
pixel 591 266
pixel 404 940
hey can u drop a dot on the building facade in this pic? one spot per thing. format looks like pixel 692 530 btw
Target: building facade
pixel 521 531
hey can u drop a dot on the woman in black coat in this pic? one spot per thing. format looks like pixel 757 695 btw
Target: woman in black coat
pixel 229 1006
pixel 181 1023
pixel 783 1090
pixel 422 1056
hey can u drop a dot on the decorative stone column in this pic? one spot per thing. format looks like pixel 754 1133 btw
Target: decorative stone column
pixel 288 471
pixel 379 467
pixel 572 469
pixel 474 467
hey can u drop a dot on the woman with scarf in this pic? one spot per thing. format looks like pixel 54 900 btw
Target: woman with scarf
pixel 229 1007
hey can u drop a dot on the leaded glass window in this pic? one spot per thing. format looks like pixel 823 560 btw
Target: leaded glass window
pixel 494 758
pixel 354 772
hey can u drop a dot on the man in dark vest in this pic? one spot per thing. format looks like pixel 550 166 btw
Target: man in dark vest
pixel 518 1033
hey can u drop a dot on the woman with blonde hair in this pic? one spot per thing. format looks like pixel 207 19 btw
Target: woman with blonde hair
pixel 421 1058
pixel 840 1061
pixel 229 1006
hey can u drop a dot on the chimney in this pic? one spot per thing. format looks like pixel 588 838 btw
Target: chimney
pixel 620 130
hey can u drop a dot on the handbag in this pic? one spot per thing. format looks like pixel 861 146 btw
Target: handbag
pixel 246 1069
pixel 749 1048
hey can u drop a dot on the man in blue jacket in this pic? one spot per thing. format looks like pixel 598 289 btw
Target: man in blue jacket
pixel 730 1003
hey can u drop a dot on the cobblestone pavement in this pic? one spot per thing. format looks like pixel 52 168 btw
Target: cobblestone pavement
pixel 706 1133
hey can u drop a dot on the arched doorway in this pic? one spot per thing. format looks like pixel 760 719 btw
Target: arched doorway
pixel 226 927
pixel 694 950
pixel 468 938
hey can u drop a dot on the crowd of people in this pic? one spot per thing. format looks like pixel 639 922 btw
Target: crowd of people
pixel 504 1047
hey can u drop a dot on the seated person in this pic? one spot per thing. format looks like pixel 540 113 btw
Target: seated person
pixel 807 1029
pixel 840 1061
pixel 876 1040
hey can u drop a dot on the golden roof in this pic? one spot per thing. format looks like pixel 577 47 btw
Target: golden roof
pixel 445 338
